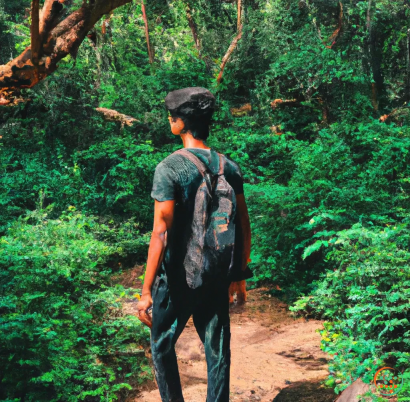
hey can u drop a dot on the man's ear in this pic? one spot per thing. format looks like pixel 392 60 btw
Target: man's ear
pixel 182 124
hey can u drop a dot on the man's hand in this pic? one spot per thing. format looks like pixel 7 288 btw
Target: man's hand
pixel 143 305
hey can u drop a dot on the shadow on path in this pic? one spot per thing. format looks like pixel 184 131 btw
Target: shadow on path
pixel 306 391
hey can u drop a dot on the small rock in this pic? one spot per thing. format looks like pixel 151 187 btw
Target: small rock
pixel 352 392
pixel 288 382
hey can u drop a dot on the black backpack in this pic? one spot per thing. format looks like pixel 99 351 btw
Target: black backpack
pixel 210 250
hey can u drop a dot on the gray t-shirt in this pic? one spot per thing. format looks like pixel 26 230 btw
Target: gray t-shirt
pixel 177 178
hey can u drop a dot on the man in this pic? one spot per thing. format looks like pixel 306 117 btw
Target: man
pixel 173 300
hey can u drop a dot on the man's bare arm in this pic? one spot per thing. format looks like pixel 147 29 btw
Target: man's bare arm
pixel 163 217
pixel 242 211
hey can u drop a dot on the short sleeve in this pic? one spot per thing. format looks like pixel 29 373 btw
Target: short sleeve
pixel 234 176
pixel 163 188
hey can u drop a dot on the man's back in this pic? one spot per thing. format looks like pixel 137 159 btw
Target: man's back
pixel 177 178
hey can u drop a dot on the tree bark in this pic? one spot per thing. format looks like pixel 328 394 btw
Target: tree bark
pixel 239 23
pixel 144 15
pixel 51 14
pixel 408 66
pixel 35 31
pixel 375 60
pixel 58 37
pixel 287 102
pixel 368 18
pixel 232 45
pixel 335 34
pixel 369 50
pixel 106 23
pixel 198 46
pixel 113 115
pixel 228 54
pixel 192 25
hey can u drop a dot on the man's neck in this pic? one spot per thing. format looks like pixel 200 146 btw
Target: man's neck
pixel 190 142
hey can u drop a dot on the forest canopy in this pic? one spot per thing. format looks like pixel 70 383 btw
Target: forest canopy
pixel 312 103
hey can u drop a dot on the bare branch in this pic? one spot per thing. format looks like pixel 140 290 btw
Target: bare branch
pixel 233 43
pixel 144 15
pixel 228 54
pixel 395 114
pixel 113 115
pixel 335 34
pixel 287 102
pixel 194 30
pixel 241 111
pixel 192 25
pixel 106 23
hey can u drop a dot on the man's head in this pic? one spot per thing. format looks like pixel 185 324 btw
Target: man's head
pixel 190 109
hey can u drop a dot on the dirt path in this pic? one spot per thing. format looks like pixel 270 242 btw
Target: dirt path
pixel 274 357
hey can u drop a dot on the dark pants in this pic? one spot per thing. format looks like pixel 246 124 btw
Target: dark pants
pixel 209 306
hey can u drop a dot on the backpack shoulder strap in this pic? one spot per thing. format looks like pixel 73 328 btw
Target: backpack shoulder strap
pixel 194 159
pixel 221 164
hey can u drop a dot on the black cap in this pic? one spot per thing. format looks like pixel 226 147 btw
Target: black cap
pixel 193 101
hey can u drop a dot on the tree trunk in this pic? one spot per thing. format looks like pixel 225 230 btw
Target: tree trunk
pixel 198 46
pixel 228 54
pixel 408 66
pixel 35 31
pixel 375 60
pixel 232 45
pixel 106 23
pixel 192 25
pixel 144 15
pixel 239 23
pixel 58 37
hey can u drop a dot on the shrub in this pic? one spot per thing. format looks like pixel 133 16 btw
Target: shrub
pixel 62 333
pixel 365 299
pixel 349 173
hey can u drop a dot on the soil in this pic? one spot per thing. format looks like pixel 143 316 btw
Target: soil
pixel 275 358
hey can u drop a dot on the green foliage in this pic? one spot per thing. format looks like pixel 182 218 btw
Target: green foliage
pixel 62 333
pixel 365 298
pixel 317 169
pixel 347 174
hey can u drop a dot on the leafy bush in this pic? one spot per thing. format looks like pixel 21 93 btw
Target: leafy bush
pixel 365 298
pixel 62 333
pixel 116 176
pixel 348 173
